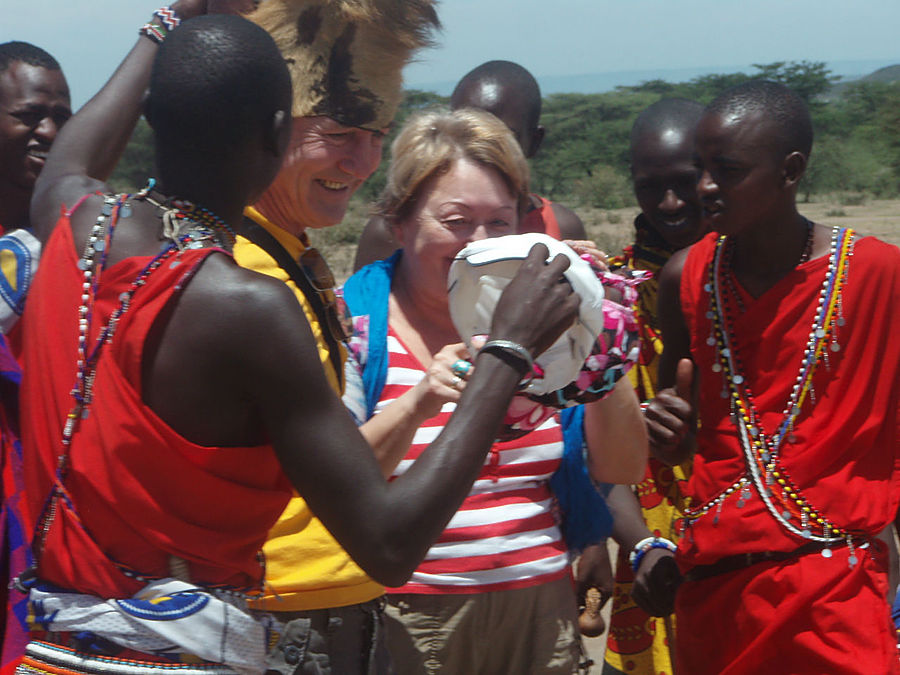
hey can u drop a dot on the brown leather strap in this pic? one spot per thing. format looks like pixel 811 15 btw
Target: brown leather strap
pixel 741 561
pixel 259 236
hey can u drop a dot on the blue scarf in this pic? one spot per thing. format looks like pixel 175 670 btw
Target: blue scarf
pixel 586 518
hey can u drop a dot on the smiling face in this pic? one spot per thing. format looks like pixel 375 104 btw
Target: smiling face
pixel 665 184
pixel 325 164
pixel 468 203
pixel 742 173
pixel 34 104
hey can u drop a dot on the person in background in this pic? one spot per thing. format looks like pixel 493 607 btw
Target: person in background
pixel 664 177
pixel 508 91
pixel 494 594
pixel 781 334
pixel 34 105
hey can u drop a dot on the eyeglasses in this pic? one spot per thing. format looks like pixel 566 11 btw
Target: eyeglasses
pixel 321 279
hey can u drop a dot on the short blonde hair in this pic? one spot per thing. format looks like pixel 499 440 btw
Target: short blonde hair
pixel 428 145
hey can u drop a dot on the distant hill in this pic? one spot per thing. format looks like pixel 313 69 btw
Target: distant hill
pixel 888 74
pixel 590 83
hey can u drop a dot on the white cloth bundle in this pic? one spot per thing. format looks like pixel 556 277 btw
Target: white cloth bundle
pixel 483 269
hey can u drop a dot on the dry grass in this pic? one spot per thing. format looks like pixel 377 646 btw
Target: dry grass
pixel 612 229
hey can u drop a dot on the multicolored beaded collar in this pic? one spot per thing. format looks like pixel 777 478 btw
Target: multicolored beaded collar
pixel 762 450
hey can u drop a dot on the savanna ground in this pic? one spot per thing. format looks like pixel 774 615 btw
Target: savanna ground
pixel 612 229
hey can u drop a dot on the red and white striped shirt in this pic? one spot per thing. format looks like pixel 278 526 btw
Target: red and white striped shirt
pixel 505 534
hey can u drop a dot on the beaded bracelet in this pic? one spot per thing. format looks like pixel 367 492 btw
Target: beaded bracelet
pixel 516 350
pixel 154 31
pixel 168 17
pixel 643 546
pixel 166 20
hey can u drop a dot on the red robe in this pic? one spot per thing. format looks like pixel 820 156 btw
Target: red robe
pixel 142 492
pixel 809 614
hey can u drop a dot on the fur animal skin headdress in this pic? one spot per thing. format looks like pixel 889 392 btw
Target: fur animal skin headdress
pixel 346 56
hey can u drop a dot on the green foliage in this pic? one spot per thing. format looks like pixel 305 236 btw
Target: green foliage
pixel 585 153
pixel 809 79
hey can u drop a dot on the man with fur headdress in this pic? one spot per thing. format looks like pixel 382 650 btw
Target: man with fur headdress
pixel 345 58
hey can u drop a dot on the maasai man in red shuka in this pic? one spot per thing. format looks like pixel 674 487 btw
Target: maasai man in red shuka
pixel 796 370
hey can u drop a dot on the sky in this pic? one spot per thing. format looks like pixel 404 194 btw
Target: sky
pixel 554 39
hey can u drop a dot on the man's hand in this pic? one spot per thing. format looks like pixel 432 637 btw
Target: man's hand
pixel 188 9
pixel 656 582
pixel 231 6
pixel 593 571
pixel 538 304
pixel 669 416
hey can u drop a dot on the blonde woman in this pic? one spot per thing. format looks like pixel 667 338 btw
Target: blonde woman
pixel 494 594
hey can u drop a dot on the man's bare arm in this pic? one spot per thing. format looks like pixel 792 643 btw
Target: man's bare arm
pixel 89 146
pixel 671 414
pixel 616 436
pixel 657 577
pixel 386 528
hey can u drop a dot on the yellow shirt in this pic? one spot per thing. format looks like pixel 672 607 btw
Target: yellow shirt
pixel 305 567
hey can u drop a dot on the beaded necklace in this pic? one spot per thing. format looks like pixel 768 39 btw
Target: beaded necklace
pixel 762 450
pixel 185 226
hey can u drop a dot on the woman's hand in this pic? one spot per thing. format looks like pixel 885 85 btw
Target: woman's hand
pixel 391 431
pixel 589 252
pixel 444 381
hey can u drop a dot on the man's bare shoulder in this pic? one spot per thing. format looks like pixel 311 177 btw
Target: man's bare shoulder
pixel 671 271
pixel 376 242
pixel 231 305
pixel 570 225
pixel 223 282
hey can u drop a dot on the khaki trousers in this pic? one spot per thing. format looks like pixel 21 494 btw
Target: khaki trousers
pixel 522 631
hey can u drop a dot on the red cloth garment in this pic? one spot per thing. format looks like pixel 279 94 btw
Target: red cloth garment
pixel 808 614
pixel 140 493
pixel 541 220
pixel 14 532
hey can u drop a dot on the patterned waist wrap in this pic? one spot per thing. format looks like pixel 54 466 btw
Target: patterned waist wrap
pixel 169 622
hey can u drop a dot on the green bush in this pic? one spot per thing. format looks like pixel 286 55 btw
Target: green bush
pixel 604 188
